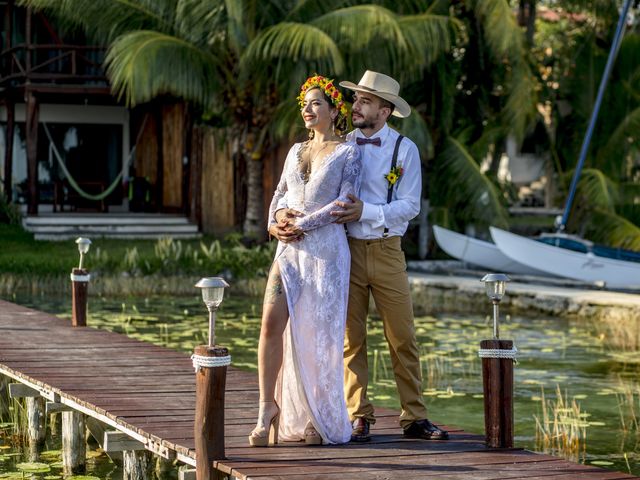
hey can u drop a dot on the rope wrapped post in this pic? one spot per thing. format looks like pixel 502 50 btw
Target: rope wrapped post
pixel 497 381
pixel 498 357
pixel 80 283
pixel 210 364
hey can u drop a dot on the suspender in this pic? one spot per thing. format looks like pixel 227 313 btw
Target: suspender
pixel 394 160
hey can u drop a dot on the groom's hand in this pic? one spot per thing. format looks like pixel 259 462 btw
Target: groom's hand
pixel 287 213
pixel 351 211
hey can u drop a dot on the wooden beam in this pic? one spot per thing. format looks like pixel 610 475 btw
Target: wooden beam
pixel 186 473
pixel 56 407
pixel 114 441
pixel 18 390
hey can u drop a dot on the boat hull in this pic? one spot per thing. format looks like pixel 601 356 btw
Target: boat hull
pixel 567 263
pixel 479 253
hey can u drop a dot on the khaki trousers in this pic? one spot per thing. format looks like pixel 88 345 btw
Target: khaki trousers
pixel 378 268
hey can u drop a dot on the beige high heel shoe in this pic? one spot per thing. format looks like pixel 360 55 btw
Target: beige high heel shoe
pixel 266 431
pixel 311 435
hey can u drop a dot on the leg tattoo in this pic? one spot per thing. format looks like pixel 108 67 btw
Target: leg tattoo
pixel 274 289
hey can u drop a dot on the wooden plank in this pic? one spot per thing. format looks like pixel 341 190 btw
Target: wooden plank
pixel 147 393
pixel 114 441
pixel 19 390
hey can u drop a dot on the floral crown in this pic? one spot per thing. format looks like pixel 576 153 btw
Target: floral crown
pixel 326 85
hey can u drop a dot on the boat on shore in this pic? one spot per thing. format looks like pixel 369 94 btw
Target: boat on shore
pixel 572 257
pixel 479 253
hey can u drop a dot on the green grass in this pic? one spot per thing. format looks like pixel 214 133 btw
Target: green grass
pixel 22 255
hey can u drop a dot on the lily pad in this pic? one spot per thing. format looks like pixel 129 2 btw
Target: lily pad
pixel 34 467
pixel 83 477
pixel 601 462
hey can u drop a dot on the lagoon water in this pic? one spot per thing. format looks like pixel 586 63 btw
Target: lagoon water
pixel 566 371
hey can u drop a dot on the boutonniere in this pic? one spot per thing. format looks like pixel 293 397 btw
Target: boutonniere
pixel 394 175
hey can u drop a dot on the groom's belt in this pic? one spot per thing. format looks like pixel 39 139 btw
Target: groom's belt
pixel 375 241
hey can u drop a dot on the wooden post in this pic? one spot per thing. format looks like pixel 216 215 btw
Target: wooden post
pixel 74 449
pixel 31 127
pixel 209 421
pixel 497 377
pixel 80 283
pixel 36 420
pixel 137 465
pixel 8 150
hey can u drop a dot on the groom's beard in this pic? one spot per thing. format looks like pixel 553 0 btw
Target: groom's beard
pixel 365 122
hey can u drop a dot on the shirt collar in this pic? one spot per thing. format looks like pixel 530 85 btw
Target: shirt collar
pixel 383 133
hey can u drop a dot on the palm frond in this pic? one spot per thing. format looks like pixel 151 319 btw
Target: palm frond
pixel 474 194
pixel 416 128
pixel 500 29
pixel 105 20
pixel 428 36
pixel 624 140
pixel 609 228
pixel 144 64
pixel 354 28
pixel 596 190
pixel 506 42
pixel 294 42
pixel 520 110
pixel 202 22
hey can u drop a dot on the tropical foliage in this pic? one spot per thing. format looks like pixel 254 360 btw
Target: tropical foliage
pixel 475 71
pixel 238 61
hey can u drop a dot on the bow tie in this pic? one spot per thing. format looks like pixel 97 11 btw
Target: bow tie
pixel 373 141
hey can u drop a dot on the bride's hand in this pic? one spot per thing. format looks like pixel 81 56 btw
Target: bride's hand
pixel 285 231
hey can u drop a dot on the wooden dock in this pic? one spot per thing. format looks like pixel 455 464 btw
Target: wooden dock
pixel 148 393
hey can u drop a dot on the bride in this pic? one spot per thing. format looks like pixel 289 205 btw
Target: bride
pixel 300 363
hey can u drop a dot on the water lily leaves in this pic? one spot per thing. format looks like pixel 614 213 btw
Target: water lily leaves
pixel 34 467
pixel 82 477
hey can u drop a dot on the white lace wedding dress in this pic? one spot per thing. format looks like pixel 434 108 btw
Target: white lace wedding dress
pixel 315 276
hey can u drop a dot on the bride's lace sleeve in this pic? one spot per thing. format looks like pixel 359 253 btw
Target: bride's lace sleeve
pixel 350 185
pixel 279 196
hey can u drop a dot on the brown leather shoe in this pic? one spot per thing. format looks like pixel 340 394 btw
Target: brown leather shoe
pixel 360 432
pixel 425 430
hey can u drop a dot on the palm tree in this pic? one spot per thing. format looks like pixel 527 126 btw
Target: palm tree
pixel 471 100
pixel 237 60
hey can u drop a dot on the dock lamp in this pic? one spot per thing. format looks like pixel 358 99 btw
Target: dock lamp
pixel 83 248
pixel 210 363
pixel 498 357
pixel 495 285
pixel 212 293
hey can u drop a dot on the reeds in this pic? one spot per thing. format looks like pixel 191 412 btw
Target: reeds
pixel 562 430
pixel 628 397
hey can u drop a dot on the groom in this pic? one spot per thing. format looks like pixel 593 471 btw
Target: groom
pixel 389 198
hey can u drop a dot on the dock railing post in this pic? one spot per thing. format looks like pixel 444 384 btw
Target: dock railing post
pixel 498 357
pixel 80 282
pixel 210 362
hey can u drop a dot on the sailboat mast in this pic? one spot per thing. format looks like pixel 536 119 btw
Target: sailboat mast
pixel 594 115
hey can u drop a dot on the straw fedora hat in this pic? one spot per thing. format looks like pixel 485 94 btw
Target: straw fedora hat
pixel 382 86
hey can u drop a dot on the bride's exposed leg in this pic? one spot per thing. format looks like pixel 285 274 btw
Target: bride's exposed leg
pixel 275 314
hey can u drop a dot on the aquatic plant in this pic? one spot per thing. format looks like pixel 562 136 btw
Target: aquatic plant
pixel 562 428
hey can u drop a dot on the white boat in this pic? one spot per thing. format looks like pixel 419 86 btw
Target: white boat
pixel 557 258
pixel 478 252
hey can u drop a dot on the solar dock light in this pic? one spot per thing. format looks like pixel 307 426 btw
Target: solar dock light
pixel 80 284
pixel 498 357
pixel 495 285
pixel 83 248
pixel 210 362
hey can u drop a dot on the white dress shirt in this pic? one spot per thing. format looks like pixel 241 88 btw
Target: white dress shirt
pixel 405 200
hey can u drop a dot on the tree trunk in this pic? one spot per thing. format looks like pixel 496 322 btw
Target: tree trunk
pixel 254 225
